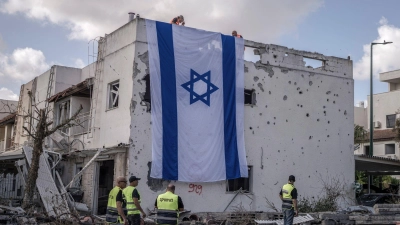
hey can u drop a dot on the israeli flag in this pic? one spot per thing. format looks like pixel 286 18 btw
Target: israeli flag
pixel 197 99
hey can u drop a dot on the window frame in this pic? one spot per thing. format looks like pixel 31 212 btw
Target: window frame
pixel 249 181
pixel 253 97
pixel 394 149
pixel 388 125
pixel 109 88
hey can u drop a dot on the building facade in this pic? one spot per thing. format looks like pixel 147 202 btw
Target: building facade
pixel 385 113
pixel 298 120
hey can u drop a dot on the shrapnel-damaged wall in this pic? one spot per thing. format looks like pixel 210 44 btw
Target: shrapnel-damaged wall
pixel 301 124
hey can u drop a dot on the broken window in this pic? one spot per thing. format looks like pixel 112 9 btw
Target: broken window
pixel 250 97
pixel 63 114
pixel 78 181
pixel 242 183
pixel 390 149
pixel 147 96
pixel 113 94
pixel 390 121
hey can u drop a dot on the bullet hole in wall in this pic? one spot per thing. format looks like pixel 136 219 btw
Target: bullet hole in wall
pixel 328 92
pixel 307 114
pixel 309 138
pixel 290 82
pixel 267 122
pixel 334 102
pixel 300 92
pixel 317 120
pixel 310 83
pixel 325 113
pixel 269 92
pixel 345 112
pixel 295 83
pixel 251 128
pixel 285 98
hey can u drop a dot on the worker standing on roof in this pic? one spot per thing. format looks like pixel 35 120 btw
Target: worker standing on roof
pixel 179 20
pixel 116 204
pixel 133 200
pixel 235 34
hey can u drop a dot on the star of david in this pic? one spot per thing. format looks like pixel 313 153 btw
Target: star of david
pixel 189 86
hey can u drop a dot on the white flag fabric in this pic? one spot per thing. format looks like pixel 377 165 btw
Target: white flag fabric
pixel 197 104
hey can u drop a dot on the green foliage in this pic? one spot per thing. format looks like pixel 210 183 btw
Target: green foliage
pixel 360 134
pixel 333 189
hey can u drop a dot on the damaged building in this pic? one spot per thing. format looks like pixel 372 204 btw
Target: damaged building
pixel 298 120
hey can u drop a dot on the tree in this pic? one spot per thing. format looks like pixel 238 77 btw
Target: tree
pixel 41 131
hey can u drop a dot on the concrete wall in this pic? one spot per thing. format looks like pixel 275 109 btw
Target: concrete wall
pixel 114 123
pixel 384 104
pixel 65 77
pixel 302 124
pixel 361 116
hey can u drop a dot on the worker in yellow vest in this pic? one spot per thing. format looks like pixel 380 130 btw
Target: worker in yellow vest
pixel 133 201
pixel 116 204
pixel 288 196
pixel 168 206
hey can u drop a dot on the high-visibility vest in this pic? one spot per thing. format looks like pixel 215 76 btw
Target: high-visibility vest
pixel 130 204
pixel 287 196
pixel 167 208
pixel 112 211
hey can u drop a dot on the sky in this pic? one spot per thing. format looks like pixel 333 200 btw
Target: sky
pixel 36 34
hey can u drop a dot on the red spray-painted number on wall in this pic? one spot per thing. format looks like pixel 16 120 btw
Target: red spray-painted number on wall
pixel 195 188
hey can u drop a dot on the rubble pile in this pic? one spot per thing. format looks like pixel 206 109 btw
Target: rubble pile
pixel 384 214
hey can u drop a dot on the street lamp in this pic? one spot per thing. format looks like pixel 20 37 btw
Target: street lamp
pixel 371 110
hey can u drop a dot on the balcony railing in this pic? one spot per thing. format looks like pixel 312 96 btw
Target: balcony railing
pixel 82 124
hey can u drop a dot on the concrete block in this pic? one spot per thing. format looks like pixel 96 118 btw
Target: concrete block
pixel 334 216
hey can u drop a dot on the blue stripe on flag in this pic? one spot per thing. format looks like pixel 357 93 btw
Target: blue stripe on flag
pixel 169 105
pixel 230 134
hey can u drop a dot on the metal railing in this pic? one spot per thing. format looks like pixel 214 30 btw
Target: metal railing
pixel 81 124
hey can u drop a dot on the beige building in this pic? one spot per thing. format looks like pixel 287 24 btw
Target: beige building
pixel 297 118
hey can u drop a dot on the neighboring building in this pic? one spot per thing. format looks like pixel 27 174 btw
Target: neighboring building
pixel 298 120
pixel 386 110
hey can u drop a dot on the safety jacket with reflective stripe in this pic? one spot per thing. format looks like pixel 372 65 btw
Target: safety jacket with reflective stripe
pixel 167 208
pixel 130 204
pixel 112 211
pixel 287 196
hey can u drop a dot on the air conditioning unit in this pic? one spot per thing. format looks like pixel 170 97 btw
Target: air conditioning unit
pixel 377 124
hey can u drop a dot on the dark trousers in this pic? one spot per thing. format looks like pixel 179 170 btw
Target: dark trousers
pixel 288 216
pixel 134 219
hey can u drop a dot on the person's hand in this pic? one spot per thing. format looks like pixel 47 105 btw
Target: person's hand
pixel 297 213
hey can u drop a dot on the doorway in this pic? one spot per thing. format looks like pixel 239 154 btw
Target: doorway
pixel 106 183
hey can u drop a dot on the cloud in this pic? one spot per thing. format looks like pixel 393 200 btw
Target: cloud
pixel 7 94
pixel 385 57
pixel 257 20
pixel 18 68
pixel 23 64
pixel 79 63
